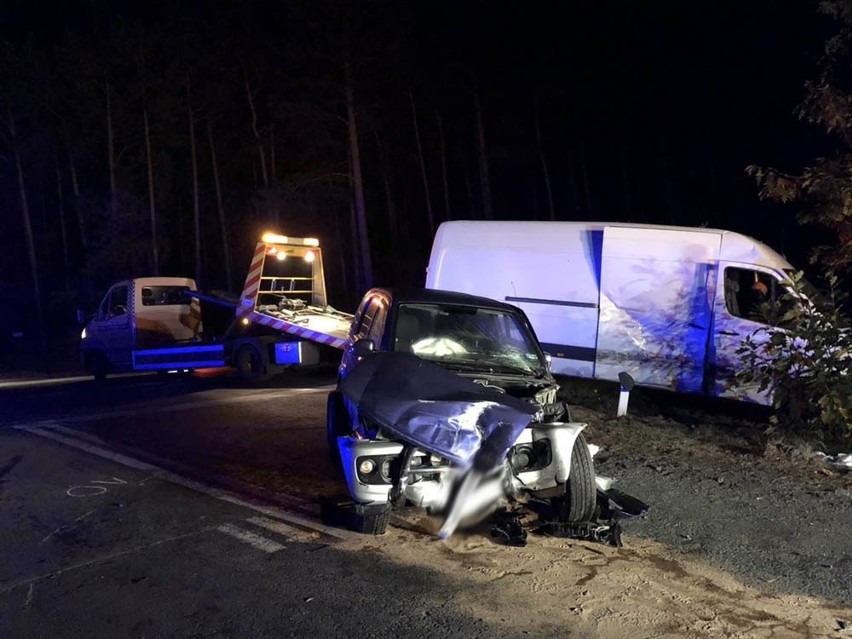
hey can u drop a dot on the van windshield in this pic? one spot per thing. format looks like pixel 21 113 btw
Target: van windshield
pixel 468 338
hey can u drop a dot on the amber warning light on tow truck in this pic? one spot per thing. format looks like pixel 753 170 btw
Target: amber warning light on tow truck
pixel 275 238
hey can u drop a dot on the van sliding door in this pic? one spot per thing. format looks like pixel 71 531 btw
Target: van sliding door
pixel 657 290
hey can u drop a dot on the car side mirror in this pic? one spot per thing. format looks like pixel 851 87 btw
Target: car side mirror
pixel 118 310
pixel 364 347
pixel 548 359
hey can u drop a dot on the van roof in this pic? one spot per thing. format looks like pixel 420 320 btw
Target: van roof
pixel 736 247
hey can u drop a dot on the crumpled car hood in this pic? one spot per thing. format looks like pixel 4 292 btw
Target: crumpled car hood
pixel 436 410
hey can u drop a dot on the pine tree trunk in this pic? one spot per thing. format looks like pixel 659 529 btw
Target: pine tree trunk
pixel 220 207
pixel 256 133
pixel 356 249
pixel 196 210
pixel 587 188
pixel 668 184
pixel 429 216
pixel 60 205
pixel 484 177
pixel 447 213
pixel 393 225
pixel 358 184
pixel 572 177
pixel 272 171
pixel 78 205
pixel 28 231
pixel 113 195
pixel 627 197
pixel 341 258
pixel 152 206
pixel 545 170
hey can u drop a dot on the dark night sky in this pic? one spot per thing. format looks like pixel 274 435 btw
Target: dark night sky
pixel 663 104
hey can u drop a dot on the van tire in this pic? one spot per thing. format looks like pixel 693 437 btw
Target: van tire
pixel 580 499
pixel 99 365
pixel 249 364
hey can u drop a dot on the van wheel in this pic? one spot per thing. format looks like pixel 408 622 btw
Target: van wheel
pixel 336 424
pixel 249 364
pixel 99 366
pixel 578 503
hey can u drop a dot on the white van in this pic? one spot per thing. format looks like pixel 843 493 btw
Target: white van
pixel 669 305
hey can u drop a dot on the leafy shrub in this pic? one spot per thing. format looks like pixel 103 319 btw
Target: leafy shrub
pixel 804 359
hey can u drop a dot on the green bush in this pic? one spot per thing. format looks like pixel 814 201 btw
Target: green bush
pixel 804 358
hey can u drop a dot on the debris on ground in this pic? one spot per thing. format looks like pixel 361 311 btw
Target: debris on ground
pixel 506 527
pixel 609 533
pixel 841 461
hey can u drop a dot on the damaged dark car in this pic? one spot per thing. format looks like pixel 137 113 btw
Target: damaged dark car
pixel 445 401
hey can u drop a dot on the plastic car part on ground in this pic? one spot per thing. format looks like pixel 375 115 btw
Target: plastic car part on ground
pixel 841 461
pixel 613 506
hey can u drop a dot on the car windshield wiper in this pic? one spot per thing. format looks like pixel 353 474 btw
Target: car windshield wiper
pixel 510 368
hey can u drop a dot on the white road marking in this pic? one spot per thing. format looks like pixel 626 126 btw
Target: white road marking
pixel 252 539
pixel 223 495
pixel 85 491
pixel 290 533
pixel 54 381
pixel 25 383
pixel 61 528
pixel 29 596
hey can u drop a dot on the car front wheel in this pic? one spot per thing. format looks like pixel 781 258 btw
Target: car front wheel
pixel 580 498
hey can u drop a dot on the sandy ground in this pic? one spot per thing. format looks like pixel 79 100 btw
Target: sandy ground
pixel 746 538
pixel 565 588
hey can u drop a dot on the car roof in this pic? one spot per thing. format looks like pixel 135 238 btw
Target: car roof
pixel 432 296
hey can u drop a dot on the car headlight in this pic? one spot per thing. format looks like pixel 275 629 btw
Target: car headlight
pixel 83 334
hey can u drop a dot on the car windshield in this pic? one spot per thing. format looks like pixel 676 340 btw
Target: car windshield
pixel 468 338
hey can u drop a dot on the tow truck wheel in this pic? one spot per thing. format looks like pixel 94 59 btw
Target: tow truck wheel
pixel 336 424
pixel 578 503
pixel 249 364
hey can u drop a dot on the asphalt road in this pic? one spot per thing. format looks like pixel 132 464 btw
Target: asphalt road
pixel 187 506
pixel 94 548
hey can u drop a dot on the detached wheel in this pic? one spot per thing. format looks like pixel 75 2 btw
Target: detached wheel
pixel 248 363
pixel 578 503
pixel 336 424
pixel 372 519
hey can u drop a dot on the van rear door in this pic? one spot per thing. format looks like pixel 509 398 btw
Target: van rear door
pixel 657 291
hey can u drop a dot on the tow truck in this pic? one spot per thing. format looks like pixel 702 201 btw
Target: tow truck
pixel 281 319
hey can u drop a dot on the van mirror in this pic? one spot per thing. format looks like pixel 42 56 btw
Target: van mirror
pixel 118 310
pixel 548 359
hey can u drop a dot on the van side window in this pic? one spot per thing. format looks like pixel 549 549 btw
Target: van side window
pixel 747 289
